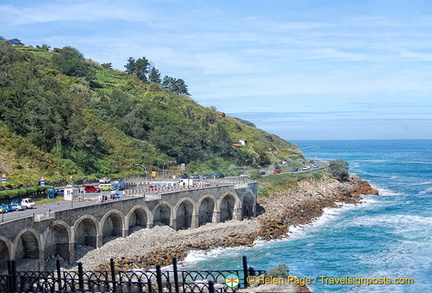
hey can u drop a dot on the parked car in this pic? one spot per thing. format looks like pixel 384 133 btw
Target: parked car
pixel 276 171
pixel 207 176
pixel 184 176
pixel 104 180
pixel 59 191
pixel 294 170
pixel 2 210
pixel 91 188
pixel 119 185
pixel 17 207
pixel 28 203
pixel 106 187
pixel 263 173
pixel 306 168
pixel 244 175
pixel 218 175
pixel 7 207
pixel 195 177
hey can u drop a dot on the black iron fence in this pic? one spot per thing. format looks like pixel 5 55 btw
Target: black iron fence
pixel 158 280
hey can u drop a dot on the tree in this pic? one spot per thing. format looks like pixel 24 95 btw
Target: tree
pixel 107 65
pixel 130 66
pixel 142 68
pixel 339 169
pixel 155 76
pixel 71 62
pixel 139 67
pixel 177 86
pixel 181 87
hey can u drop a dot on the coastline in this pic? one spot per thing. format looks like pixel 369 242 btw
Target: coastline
pixel 294 207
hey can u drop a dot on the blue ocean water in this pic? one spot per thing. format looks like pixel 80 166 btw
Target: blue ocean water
pixel 387 236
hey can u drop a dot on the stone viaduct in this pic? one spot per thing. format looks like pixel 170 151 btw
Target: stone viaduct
pixel 31 240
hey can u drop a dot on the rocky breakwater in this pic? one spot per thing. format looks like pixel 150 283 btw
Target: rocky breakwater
pixel 306 202
pixel 297 206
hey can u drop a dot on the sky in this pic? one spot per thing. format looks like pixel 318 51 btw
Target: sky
pixel 300 69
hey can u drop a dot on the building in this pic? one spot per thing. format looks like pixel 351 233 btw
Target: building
pixel 14 42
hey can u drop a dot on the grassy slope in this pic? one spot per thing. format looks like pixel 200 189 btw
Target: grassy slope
pixel 24 163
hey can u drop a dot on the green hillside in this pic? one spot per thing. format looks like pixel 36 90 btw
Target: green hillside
pixel 63 115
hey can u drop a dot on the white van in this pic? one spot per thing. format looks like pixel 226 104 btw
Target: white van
pixel 28 203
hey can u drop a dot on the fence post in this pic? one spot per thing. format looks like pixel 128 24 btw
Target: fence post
pixel 14 277
pixel 113 277
pixel 176 283
pixel 159 278
pixel 245 271
pixel 12 285
pixel 251 271
pixel 211 286
pixel 80 276
pixel 59 282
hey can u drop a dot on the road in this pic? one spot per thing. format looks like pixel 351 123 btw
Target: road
pixel 91 198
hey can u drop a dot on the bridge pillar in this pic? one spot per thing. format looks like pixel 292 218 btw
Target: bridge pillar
pixel 125 233
pixel 71 252
pixel 173 223
pixel 195 220
pixel 41 260
pixel 99 241
pixel 237 214
pixel 216 217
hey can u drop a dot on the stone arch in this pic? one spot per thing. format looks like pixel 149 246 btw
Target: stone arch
pixel 248 204
pixel 5 253
pixel 184 211
pixel 206 209
pixel 85 231
pixel 27 249
pixel 162 213
pixel 228 204
pixel 112 224
pixel 57 238
pixel 138 217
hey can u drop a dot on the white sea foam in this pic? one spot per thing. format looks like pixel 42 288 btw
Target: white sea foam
pixel 329 216
pixel 386 192
pixel 422 183
pixel 427 190
pixel 201 255
pixel 402 222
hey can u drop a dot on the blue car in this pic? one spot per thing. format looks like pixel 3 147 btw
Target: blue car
pixel 7 207
pixel 294 170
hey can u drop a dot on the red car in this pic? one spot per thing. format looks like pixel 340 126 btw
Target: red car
pixel 91 188
pixel 276 171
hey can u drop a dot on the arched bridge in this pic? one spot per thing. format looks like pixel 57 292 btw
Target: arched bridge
pixel 31 240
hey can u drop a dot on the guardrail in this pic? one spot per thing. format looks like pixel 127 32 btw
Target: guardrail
pixel 158 280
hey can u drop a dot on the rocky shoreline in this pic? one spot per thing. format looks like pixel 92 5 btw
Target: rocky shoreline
pixel 294 207
pixel 297 206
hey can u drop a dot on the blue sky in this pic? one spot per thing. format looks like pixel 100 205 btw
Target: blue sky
pixel 301 69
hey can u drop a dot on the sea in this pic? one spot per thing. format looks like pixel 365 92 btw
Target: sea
pixel 385 241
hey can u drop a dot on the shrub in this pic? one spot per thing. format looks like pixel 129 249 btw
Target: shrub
pixel 339 169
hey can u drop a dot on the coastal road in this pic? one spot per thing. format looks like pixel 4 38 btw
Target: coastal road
pixel 321 164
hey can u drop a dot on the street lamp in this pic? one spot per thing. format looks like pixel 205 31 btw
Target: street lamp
pixel 141 165
pixel 163 167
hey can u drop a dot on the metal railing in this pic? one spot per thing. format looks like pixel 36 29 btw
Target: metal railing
pixel 158 280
